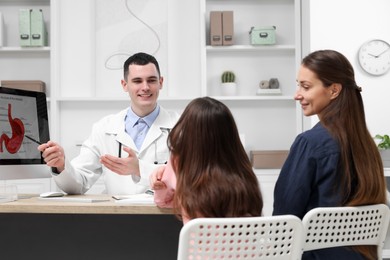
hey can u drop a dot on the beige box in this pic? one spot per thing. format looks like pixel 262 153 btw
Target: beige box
pixel 269 159
pixel 31 85
pixel 227 28
pixel 215 28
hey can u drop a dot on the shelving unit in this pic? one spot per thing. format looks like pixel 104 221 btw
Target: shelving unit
pixel 261 61
pixel 253 63
pixel 26 63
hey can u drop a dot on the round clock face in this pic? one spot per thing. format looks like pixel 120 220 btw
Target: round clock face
pixel 374 57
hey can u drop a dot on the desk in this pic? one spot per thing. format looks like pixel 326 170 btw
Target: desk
pixel 40 229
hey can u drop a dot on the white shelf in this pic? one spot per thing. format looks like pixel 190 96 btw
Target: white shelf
pixel 386 253
pixel 25 49
pixel 110 99
pixel 125 99
pixel 256 97
pixel 271 172
pixel 25 2
pixel 254 48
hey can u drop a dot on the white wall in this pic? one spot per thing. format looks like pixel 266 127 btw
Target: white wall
pixel 344 25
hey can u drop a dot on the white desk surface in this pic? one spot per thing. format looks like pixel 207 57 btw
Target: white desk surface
pixel 33 204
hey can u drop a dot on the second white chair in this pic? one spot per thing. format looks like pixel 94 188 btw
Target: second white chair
pixel 346 226
pixel 274 237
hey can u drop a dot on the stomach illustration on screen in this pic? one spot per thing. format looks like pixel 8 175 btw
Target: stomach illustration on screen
pixel 12 143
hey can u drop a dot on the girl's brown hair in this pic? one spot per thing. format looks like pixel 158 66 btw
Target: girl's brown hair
pixel 214 175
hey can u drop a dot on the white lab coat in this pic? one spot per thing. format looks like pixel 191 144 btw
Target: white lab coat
pixel 84 170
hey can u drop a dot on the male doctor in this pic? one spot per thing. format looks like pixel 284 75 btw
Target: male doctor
pixel 123 148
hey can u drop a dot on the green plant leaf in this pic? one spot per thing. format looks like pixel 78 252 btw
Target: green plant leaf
pixel 384 141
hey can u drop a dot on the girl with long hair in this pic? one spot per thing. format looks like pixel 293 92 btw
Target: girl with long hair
pixel 212 174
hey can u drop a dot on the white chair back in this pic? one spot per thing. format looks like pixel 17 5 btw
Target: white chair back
pixel 273 237
pixel 346 226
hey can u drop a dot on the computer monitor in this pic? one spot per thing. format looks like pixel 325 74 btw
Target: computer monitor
pixel 23 126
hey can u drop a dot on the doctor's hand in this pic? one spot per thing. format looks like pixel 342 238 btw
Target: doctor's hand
pixel 53 154
pixel 122 166
pixel 155 179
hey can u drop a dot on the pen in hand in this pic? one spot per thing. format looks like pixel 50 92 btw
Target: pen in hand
pixel 32 139
pixel 53 169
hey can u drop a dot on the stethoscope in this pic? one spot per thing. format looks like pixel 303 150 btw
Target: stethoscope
pixel 164 130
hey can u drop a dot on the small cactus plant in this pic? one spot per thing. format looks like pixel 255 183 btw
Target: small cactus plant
pixel 228 76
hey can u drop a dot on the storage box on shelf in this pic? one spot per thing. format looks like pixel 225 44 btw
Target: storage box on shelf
pixel 264 35
pixel 271 159
pixel 1 30
pixel 32 85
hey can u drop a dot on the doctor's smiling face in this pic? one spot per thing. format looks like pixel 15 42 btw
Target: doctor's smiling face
pixel 143 83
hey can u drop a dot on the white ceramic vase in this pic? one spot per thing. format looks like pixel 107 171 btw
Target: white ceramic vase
pixel 229 89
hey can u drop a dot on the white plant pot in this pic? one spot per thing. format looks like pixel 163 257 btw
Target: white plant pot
pixel 229 89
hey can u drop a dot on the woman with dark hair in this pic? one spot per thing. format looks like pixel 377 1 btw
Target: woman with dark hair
pixel 336 163
pixel 209 173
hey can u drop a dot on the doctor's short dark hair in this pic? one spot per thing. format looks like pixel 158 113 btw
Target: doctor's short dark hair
pixel 140 58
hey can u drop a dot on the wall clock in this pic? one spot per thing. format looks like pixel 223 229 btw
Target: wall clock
pixel 374 57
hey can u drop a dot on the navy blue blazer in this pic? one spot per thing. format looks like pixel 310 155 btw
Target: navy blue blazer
pixel 310 178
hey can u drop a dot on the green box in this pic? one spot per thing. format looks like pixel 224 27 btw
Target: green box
pixel 38 29
pixel 263 35
pixel 2 34
pixel 24 27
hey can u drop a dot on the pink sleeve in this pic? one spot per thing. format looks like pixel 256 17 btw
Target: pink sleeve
pixel 164 197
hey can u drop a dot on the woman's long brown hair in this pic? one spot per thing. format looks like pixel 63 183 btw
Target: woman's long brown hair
pixel 214 174
pixel 363 182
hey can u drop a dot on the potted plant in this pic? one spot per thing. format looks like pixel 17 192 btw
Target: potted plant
pixel 228 86
pixel 384 148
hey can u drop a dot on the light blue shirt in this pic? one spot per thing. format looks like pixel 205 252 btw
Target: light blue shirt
pixel 132 125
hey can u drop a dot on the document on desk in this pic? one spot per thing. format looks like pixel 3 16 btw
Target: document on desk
pixel 143 199
pixel 75 199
